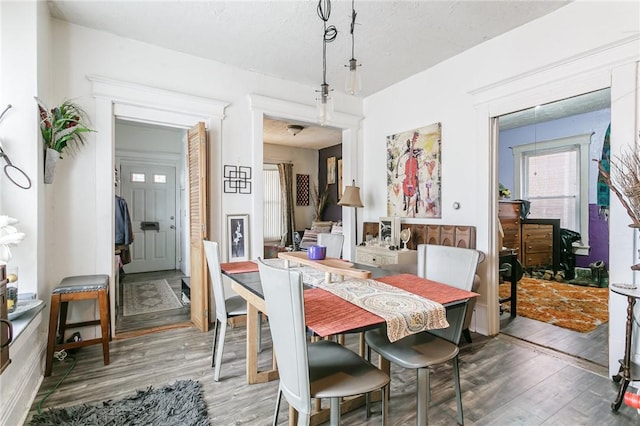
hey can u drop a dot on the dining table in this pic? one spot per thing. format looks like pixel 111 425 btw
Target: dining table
pixel 329 315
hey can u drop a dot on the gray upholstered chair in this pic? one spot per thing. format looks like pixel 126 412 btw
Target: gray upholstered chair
pixel 225 308
pixel 323 369
pixel 450 265
pixel 333 243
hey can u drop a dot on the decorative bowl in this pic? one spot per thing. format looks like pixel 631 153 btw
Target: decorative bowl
pixel 317 252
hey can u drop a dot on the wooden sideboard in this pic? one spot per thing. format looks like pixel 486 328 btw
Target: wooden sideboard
pixel 444 235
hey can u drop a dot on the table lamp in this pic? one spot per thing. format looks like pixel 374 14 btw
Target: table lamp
pixel 351 198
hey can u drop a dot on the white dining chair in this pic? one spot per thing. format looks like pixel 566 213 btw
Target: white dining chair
pixel 421 351
pixel 323 369
pixel 225 307
pixel 333 243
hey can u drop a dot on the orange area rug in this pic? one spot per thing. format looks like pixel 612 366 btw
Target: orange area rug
pixel 577 308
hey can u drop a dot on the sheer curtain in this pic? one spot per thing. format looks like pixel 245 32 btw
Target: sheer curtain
pixel 288 217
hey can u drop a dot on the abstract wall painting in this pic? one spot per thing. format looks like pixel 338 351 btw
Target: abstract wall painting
pixel 414 173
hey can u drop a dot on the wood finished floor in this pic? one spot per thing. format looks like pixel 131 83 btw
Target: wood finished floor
pixel 505 381
pixel 154 320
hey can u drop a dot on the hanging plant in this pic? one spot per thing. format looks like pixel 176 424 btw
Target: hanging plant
pixel 63 127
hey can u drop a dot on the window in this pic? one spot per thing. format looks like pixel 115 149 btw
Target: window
pixel 159 178
pixel 138 177
pixel 554 176
pixel 272 204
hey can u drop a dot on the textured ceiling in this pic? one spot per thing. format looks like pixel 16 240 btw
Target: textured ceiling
pixel 393 39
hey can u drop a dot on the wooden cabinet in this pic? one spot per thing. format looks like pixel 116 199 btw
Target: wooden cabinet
pixel 509 216
pixel 537 245
pixel 541 243
pixel 379 256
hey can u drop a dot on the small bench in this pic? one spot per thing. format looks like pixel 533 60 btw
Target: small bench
pixel 71 289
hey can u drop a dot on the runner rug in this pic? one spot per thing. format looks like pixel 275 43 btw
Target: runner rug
pixel 178 404
pixel 148 296
pixel 574 307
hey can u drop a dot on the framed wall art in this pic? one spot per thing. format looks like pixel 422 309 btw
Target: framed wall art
pixel 238 237
pixel 340 189
pixel 237 179
pixel 414 173
pixel 389 230
pixel 331 170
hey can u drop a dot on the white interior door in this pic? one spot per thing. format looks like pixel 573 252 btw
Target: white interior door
pixel 150 192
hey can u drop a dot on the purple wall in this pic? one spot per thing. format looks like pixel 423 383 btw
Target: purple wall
pixel 598 233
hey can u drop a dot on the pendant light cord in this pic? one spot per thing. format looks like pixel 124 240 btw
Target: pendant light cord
pixel 330 33
pixel 353 24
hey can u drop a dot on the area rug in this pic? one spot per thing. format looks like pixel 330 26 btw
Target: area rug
pixel 178 404
pixel 148 296
pixel 574 307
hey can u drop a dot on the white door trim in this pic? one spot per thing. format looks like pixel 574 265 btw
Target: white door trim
pixel 135 102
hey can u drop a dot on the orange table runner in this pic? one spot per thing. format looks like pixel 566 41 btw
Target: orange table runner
pixel 239 267
pixel 328 314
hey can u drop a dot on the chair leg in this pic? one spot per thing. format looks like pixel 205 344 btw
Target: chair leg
pixel 385 406
pixel 103 301
pixel 335 411
pixel 213 345
pixel 275 414
pixel 220 350
pixel 422 416
pixel 456 378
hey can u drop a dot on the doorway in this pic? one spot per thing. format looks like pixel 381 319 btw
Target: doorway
pixel 152 184
pixel 533 145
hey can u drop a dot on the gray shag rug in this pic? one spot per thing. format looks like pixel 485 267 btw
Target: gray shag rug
pixel 178 404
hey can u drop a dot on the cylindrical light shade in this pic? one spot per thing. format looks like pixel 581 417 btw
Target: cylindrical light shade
pixel 353 80
pixel 351 197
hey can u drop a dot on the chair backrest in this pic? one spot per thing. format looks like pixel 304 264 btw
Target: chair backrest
pixel 213 262
pixel 283 295
pixel 333 243
pixel 455 266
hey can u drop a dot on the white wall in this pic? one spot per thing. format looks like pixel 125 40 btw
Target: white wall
pixel 528 66
pixel 84 52
pixel 305 161
pixel 25 55
pixel 141 137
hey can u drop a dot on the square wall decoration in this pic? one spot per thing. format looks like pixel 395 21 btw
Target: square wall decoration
pixel 414 173
pixel 302 190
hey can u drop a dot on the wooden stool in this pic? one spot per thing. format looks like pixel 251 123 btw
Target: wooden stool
pixel 82 287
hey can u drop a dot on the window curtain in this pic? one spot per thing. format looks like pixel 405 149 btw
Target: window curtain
pixel 288 217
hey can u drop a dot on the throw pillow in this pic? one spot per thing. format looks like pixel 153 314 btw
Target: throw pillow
pixel 310 236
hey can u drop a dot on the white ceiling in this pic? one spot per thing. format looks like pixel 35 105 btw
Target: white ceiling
pixel 393 39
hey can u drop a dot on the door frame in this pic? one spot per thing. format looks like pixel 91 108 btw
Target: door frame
pixel 262 106
pixel 166 160
pixel 145 104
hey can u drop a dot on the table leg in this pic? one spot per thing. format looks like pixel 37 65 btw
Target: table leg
pixel 626 363
pixel 253 375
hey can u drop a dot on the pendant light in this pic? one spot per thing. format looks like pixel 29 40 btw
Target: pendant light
pixel 324 103
pixel 352 82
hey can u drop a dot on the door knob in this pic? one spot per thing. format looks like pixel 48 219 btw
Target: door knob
pixel 172 227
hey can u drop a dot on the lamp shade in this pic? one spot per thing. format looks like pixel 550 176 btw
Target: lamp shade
pixel 351 197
